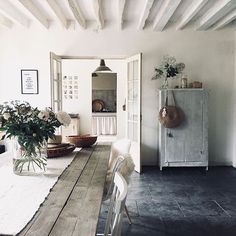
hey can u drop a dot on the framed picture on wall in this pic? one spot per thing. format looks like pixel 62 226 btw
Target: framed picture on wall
pixel 29 81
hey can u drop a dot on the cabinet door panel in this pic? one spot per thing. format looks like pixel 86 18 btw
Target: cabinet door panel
pixel 174 148
pixel 194 129
pixel 175 138
pixel 185 143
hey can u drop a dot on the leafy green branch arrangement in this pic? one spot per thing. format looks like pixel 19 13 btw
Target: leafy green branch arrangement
pixel 31 128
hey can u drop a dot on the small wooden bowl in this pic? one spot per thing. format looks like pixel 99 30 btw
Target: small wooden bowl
pixel 82 140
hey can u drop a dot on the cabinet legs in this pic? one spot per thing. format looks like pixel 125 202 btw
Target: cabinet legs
pixel 161 168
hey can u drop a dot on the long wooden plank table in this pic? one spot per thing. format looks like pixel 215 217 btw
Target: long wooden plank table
pixel 73 205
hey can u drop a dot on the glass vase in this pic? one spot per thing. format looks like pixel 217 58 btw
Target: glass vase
pixel 29 161
pixel 165 84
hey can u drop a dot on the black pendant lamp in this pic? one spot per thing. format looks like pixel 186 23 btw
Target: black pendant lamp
pixel 102 67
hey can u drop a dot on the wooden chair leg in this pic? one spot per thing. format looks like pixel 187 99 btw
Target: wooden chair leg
pixel 127 213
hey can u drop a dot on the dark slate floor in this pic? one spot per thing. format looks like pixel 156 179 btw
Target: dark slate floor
pixel 181 202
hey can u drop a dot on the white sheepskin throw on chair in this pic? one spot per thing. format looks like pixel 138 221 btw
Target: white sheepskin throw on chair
pixel 120 147
pixel 126 168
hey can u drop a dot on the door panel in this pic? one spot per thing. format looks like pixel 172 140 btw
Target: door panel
pixel 133 125
pixel 56 82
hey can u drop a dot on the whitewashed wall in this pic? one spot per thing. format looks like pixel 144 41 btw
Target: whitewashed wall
pixel 209 57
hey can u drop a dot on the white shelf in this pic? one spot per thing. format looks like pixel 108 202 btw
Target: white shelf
pixel 103 114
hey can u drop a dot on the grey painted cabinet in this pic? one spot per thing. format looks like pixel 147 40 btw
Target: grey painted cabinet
pixel 187 144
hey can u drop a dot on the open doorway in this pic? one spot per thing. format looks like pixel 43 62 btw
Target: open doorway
pixel 128 95
pixel 104 106
pixel 82 103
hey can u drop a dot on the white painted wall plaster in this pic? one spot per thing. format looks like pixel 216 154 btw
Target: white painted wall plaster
pixel 209 57
pixel 234 108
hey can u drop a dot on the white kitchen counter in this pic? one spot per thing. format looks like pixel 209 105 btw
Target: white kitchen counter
pixel 103 114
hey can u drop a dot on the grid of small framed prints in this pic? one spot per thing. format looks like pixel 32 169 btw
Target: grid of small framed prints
pixel 70 87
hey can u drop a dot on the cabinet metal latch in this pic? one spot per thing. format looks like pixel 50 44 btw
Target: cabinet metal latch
pixel 169 134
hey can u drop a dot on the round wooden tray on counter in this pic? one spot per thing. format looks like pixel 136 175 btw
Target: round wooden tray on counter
pixel 98 105
pixel 61 149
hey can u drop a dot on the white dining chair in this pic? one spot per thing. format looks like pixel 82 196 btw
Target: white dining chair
pixel 109 184
pixel 125 165
pixel 119 147
pixel 117 205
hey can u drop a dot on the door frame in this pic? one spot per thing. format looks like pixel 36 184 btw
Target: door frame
pixel 63 57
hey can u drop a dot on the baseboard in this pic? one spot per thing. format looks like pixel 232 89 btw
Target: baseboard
pixel 221 163
pixel 211 163
pixel 150 164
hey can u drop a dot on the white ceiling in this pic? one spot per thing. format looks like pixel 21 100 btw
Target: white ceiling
pixel 156 15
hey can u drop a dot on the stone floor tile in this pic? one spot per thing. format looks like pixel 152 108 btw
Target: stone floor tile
pixel 180 202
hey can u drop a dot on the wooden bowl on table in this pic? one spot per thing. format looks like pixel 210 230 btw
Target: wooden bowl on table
pixel 58 150
pixel 82 140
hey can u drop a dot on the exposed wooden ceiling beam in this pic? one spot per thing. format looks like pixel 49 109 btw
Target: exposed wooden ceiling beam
pixel 9 10
pixel 58 12
pixel 191 12
pixel 4 21
pixel 215 13
pixel 226 20
pixel 167 10
pixel 145 14
pixel 75 8
pixel 121 9
pixel 97 5
pixel 32 8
